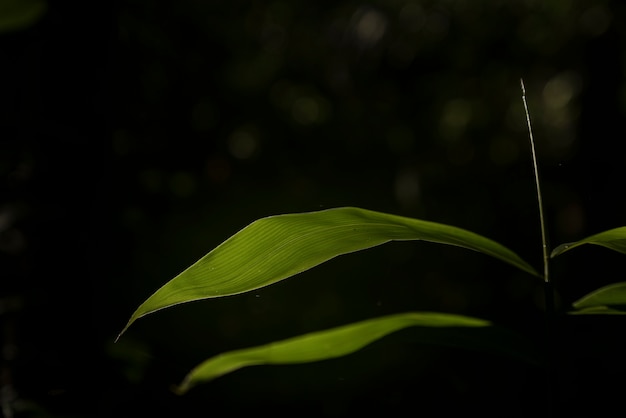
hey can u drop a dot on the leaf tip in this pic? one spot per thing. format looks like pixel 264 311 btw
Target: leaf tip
pixel 124 329
pixel 560 250
pixel 179 389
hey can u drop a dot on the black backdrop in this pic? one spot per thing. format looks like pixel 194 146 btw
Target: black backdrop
pixel 137 136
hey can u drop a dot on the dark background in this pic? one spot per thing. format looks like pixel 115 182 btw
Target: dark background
pixel 136 136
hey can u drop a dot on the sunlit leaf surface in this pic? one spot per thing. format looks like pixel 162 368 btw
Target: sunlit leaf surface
pixel 332 343
pixel 277 247
pixel 615 239
pixel 610 299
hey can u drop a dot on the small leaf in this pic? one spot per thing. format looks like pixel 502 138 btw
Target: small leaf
pixel 614 239
pixel 344 340
pixel 600 310
pixel 610 299
pixel 277 247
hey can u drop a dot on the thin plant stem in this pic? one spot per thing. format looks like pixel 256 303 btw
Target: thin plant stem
pixel 544 241
pixel 548 286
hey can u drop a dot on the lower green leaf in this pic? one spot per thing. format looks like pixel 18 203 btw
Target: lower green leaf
pixel 600 310
pixel 607 300
pixel 337 342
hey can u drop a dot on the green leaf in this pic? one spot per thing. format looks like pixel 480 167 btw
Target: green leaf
pixel 610 299
pixel 600 310
pixel 614 239
pixel 341 341
pixel 277 247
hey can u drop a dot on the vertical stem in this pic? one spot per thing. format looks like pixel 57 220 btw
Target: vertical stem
pixel 548 286
pixel 544 240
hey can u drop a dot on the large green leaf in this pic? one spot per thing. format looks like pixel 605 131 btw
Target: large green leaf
pixel 343 340
pixel 610 299
pixel 615 239
pixel 277 247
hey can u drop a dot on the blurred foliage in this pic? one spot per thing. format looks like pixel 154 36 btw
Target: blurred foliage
pixel 20 14
pixel 140 134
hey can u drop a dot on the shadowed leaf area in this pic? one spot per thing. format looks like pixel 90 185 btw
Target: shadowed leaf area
pixel 610 299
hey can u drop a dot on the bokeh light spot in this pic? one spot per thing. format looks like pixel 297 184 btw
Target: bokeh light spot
pixel 455 117
pixel 182 184
pixel 306 110
pixel 595 20
pixel 243 144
